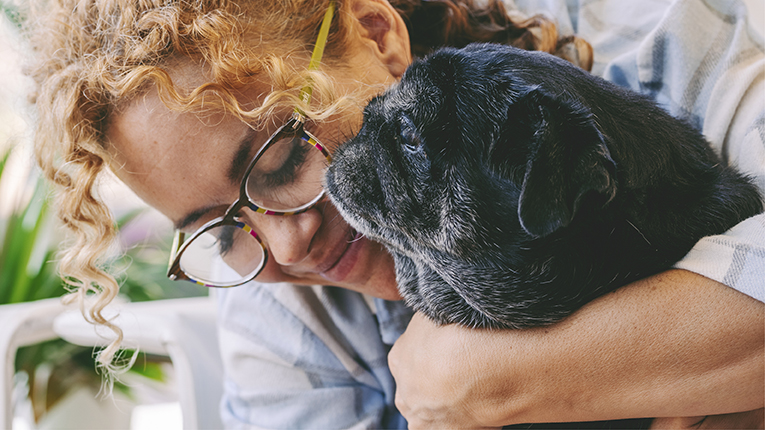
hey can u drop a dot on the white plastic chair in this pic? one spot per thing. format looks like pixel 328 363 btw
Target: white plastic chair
pixel 22 324
pixel 183 330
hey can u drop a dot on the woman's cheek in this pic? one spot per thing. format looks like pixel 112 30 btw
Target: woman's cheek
pixel 272 273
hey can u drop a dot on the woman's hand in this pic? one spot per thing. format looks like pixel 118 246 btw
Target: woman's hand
pixel 438 376
pixel 675 344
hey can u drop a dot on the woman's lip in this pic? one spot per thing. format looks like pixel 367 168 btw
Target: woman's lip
pixel 336 253
pixel 340 269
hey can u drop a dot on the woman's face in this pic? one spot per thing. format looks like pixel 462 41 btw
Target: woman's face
pixel 189 167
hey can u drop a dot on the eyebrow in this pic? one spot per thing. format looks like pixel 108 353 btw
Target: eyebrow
pixel 236 170
pixel 193 217
pixel 241 159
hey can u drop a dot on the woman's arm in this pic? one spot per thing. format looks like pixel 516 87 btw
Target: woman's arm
pixel 675 344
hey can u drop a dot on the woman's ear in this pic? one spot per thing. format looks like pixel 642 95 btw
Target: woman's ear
pixel 383 30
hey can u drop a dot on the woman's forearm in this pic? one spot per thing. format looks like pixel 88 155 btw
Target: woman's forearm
pixel 675 344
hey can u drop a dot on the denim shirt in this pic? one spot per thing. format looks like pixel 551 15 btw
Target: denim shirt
pixel 308 357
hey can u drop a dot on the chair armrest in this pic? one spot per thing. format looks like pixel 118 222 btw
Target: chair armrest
pixel 22 324
pixel 182 329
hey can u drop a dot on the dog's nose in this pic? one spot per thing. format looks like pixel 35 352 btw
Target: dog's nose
pixel 352 179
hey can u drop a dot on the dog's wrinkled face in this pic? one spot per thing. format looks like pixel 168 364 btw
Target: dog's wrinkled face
pixel 485 174
pixel 435 174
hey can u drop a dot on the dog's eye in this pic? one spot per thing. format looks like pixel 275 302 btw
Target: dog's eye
pixel 410 138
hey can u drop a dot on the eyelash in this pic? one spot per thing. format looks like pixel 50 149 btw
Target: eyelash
pixel 286 172
pixel 226 242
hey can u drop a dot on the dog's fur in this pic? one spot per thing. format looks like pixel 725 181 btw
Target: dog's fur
pixel 512 187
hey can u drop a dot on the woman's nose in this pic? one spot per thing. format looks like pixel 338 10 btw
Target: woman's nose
pixel 288 238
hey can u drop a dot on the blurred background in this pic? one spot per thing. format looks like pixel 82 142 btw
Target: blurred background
pixel 49 383
pixel 54 383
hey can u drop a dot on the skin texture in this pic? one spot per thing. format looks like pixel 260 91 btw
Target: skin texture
pixel 178 163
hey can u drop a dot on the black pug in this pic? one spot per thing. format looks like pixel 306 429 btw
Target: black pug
pixel 512 187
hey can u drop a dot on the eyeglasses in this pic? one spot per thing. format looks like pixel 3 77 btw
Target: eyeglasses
pixel 284 178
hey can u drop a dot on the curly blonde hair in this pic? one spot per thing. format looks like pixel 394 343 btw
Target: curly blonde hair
pixel 92 56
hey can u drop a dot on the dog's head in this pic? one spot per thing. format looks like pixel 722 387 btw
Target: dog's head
pixel 464 163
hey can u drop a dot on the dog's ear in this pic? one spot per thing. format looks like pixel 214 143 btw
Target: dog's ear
pixel 567 159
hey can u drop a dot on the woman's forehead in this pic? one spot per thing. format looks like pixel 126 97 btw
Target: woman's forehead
pixel 175 161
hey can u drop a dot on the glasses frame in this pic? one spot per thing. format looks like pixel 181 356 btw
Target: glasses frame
pixel 293 128
pixel 180 245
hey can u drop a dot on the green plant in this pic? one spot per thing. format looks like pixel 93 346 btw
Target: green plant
pixel 25 271
pixel 11 10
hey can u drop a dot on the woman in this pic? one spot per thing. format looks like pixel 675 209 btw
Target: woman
pixel 177 99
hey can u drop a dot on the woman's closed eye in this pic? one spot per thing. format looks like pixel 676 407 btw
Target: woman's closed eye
pixel 281 163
